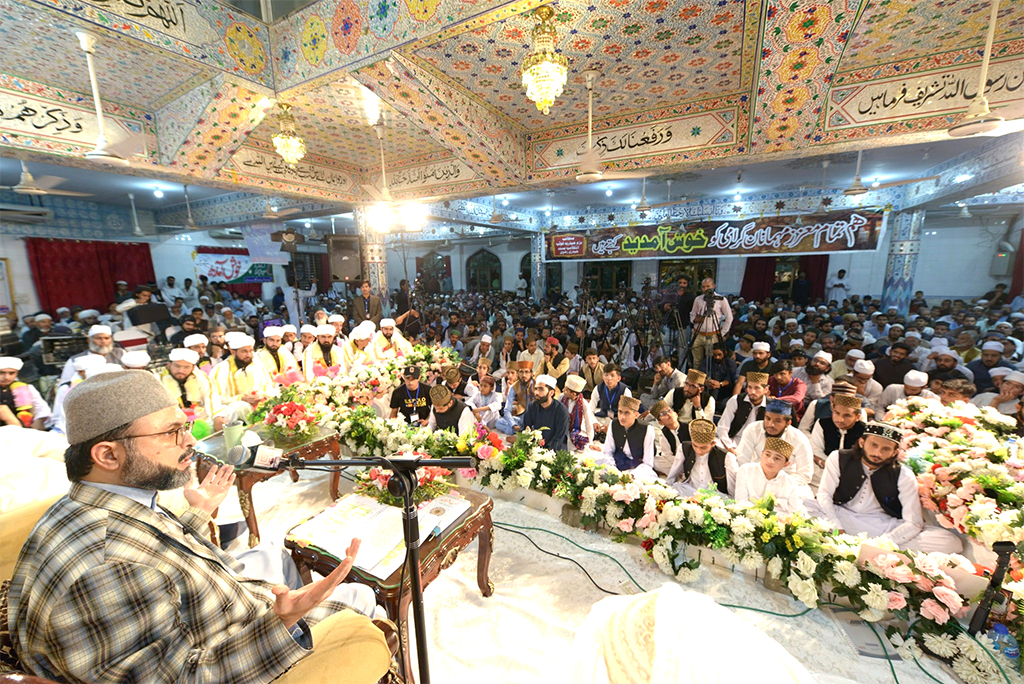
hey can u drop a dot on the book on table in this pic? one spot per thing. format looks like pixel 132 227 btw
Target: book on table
pixel 378 526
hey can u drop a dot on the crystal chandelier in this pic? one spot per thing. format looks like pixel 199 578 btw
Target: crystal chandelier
pixel 544 70
pixel 289 145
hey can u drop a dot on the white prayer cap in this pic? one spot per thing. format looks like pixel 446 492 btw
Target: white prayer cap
pixel 863 366
pixel 241 342
pixel 105 368
pixel 791 320
pixel 980 303
pixel 362 331
pixel 194 339
pixel 88 313
pixel 483 338
pixel 876 313
pixel 135 359
pixel 563 317
pixel 184 355
pixel 87 361
pixel 11 363
pixel 946 351
pixel 760 346
pixel 63 308
pixel 928 331
pixel 228 336
pixel 326 329
pixel 218 306
pixel 99 330
pixel 855 354
pixel 289 328
pixel 387 322
pixel 308 329
pixel 1016 315
pixel 992 346
pixel 547 380
pixel 272 331
pixel 914 333
pixel 915 378
pixel 869 339
pixel 796 343
pixel 1015 376
pixel 202 297
pixel 335 318
pixel 44 317
pixel 121 282
pixel 999 371
pixel 824 355
pixel 898 325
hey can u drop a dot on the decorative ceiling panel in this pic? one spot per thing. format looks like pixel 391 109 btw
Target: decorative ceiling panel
pixel 332 120
pixel 40 45
pixel 650 53
pixel 897 30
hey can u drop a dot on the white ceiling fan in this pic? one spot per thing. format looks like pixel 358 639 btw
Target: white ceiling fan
pixel 274 214
pixel 671 202
pixel 382 195
pixel 105 152
pixel 42 186
pixel 190 224
pixel 979 118
pixel 136 230
pixel 858 188
pixel 496 216
pixel 590 170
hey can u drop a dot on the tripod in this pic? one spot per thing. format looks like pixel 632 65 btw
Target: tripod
pixel 716 332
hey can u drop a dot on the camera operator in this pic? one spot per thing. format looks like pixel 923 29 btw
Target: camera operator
pixel 712 318
pixel 684 305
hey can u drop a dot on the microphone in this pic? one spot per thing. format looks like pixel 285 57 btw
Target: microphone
pixel 263 456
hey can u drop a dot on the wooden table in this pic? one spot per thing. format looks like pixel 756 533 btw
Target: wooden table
pixel 436 556
pixel 321 445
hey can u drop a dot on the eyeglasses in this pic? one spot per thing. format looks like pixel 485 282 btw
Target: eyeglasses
pixel 178 432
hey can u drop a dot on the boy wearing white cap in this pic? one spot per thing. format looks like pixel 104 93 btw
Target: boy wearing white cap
pixel 20 403
pixel 273 356
pixel 307 336
pixel 136 360
pixel 185 383
pixel 199 343
pixel 1006 400
pixel 101 341
pixel 915 384
pixel 82 363
pixel 238 384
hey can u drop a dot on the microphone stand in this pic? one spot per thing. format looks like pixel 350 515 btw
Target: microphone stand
pixel 403 484
pixel 1003 550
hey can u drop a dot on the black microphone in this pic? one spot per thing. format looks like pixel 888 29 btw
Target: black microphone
pixel 262 456
pixel 293 460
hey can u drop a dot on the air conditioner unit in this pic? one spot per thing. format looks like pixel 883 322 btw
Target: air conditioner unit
pixel 21 213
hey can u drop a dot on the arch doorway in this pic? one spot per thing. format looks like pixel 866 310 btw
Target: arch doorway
pixel 483 272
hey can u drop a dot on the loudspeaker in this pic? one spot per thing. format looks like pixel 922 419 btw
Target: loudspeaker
pixel 344 254
pixel 149 313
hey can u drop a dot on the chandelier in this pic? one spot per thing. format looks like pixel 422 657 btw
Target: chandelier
pixel 289 145
pixel 544 70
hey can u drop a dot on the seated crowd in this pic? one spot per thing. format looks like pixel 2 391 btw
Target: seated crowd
pixel 785 399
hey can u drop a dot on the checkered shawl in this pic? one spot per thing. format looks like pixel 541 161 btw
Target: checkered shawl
pixel 108 590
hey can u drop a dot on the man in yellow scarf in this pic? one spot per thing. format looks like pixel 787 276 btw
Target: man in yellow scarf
pixel 239 383
pixel 184 381
pixel 357 350
pixel 20 403
pixel 274 357
pixel 389 343
pixel 321 354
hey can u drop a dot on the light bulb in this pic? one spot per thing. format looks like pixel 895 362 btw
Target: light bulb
pixel 608 192
pixel 737 197
pixel 547 213
pixel 504 202
pixel 158 193
pixel 306 224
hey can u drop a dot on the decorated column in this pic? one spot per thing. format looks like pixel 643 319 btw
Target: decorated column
pixel 904 248
pixel 538 272
pixel 375 257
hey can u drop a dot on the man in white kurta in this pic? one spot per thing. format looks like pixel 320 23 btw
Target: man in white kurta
pixel 915 384
pixel 239 383
pixel 296 306
pixel 752 403
pixel 778 422
pixel 81 363
pixel 755 480
pixel 670 437
pixel 388 342
pixel 708 463
pixel 321 354
pixel 622 448
pixel 837 287
pixel 1006 400
pixel 864 513
pixel 273 356
pixel 101 342
pixel 185 382
pixel 356 350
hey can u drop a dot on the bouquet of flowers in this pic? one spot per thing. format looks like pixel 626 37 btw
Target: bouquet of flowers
pixel 430 484
pixel 291 420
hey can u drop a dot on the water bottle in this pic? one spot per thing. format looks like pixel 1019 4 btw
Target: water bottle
pixel 997 645
pixel 1008 646
pixel 1012 447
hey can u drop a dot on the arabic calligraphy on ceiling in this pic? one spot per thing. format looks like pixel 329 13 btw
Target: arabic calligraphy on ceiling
pixel 939 92
pixel 38 118
pixel 173 17
pixel 695 131
pixel 430 175
pixel 255 162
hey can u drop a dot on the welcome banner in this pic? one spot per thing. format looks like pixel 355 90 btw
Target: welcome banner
pixel 838 231
pixel 233 268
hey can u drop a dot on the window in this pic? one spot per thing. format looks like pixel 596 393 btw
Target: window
pixel 608 279
pixel 483 272
pixel 526 268
pixel 432 269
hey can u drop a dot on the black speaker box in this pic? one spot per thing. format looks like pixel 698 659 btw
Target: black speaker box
pixel 343 252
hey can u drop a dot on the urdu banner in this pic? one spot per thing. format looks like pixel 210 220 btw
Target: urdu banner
pixel 838 231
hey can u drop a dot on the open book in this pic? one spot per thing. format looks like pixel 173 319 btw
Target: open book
pixel 382 550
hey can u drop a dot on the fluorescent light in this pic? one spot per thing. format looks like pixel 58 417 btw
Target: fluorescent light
pixel 504 202
pixel 737 197
pixel 875 184
pixel 608 192
pixel 633 206
pixel 963 177
pixel 158 193
pixel 547 213
pixel 307 224
pixel 274 209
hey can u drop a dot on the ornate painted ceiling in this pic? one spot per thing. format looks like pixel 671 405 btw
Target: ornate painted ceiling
pixel 684 85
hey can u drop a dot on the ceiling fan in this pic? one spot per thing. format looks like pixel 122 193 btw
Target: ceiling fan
pixel 136 230
pixel 496 216
pixel 858 188
pixel 590 170
pixel 42 186
pixel 382 195
pixel 105 152
pixel 190 224
pixel 979 118
pixel 273 214
pixel 670 202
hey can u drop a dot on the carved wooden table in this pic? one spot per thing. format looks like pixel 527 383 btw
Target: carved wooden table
pixel 324 444
pixel 436 555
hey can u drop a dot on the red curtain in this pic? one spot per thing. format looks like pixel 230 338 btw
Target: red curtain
pixel 816 268
pixel 758 279
pixel 1017 284
pixel 235 288
pixel 83 273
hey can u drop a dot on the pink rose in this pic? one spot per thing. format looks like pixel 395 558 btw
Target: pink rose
pixel 949 597
pixel 901 574
pixel 968 489
pixel 485 452
pixel 896 601
pixel 927 503
pixel 924 584
pixel 624 496
pixel 468 473
pixel 884 561
pixel 927 565
pixel 646 520
pixel 943 474
pixel 954 501
pixel 926 479
pixel 933 610
pixel 627 526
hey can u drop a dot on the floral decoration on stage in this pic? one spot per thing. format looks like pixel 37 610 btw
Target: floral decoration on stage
pixel 373 482
pixel 291 421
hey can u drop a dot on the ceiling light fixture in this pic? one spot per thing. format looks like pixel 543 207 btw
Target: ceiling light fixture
pixel 306 224
pixel 608 192
pixel 371 105
pixel 963 178
pixel 287 142
pixel 158 193
pixel 504 202
pixel 737 197
pixel 875 184
pixel 544 71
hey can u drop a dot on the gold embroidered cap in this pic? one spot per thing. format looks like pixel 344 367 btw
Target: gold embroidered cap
pixel 629 403
pixel 779 445
pixel 696 377
pixel 702 431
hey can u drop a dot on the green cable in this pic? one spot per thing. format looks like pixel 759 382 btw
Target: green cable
pixel 766 612
pixel 906 637
pixel 874 631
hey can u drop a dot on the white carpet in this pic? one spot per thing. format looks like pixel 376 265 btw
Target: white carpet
pixel 523 633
